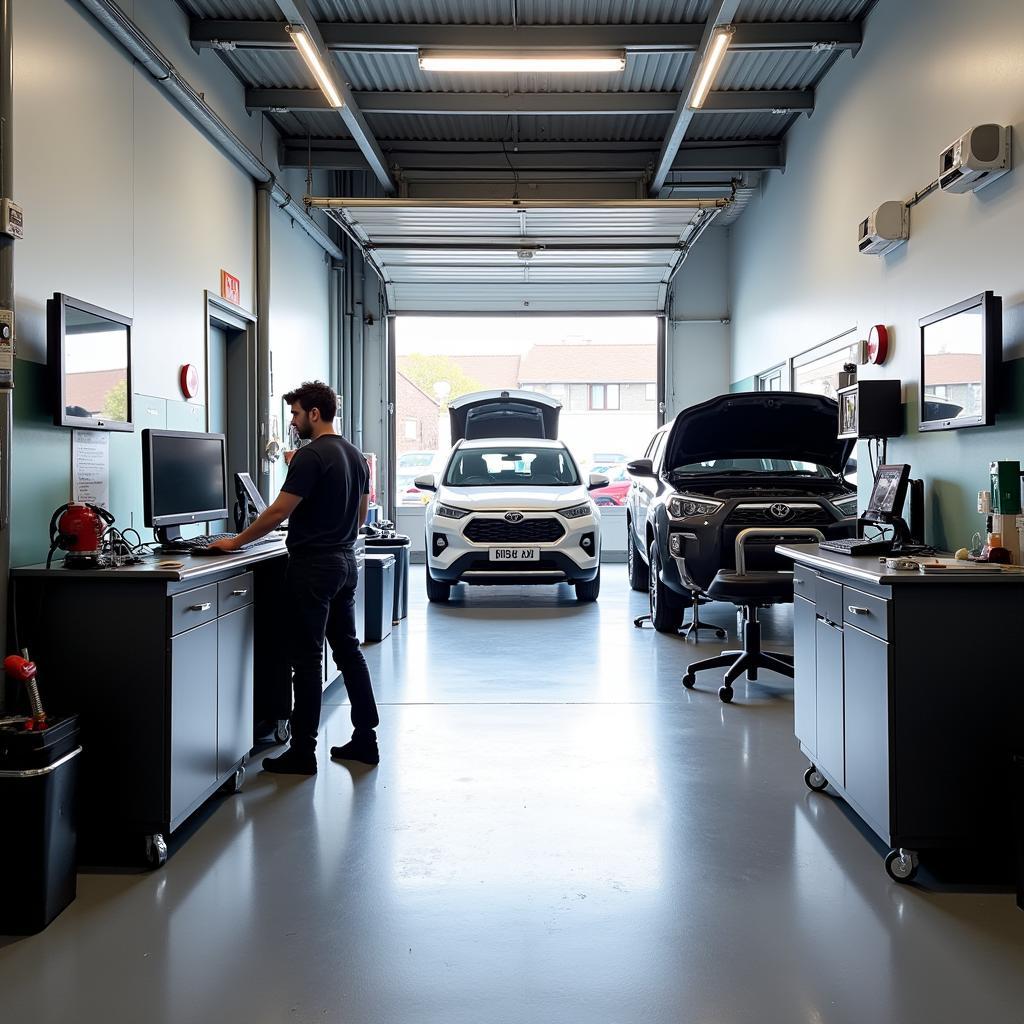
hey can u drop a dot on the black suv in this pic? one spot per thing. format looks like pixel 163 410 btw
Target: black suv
pixel 750 459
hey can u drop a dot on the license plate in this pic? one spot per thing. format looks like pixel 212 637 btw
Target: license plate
pixel 515 555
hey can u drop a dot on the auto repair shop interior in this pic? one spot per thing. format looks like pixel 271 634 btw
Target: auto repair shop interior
pixel 685 345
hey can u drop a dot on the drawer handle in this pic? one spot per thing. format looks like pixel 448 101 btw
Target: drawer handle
pixel 859 611
pixel 239 593
pixel 204 607
pixel 797 581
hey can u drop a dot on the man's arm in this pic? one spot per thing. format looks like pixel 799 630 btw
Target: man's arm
pixel 364 507
pixel 270 519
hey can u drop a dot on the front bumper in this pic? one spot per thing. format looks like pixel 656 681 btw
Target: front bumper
pixel 572 558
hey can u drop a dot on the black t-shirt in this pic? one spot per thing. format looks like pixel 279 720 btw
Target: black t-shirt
pixel 330 475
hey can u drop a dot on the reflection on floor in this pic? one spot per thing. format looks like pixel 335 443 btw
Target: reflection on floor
pixel 558 832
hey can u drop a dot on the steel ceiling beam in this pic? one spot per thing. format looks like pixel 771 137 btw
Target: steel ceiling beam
pixel 459 158
pixel 271 35
pixel 560 103
pixel 720 12
pixel 298 14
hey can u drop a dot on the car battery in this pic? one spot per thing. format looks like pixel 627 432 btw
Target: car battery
pixel 38 784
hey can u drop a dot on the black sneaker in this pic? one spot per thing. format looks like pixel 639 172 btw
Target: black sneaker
pixel 291 763
pixel 363 751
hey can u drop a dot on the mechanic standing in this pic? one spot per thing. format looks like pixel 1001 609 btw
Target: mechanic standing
pixel 324 498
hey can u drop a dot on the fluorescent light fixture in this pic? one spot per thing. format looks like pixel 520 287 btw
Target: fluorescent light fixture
pixel 312 58
pixel 720 39
pixel 522 60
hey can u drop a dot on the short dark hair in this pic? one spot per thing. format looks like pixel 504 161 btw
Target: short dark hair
pixel 315 394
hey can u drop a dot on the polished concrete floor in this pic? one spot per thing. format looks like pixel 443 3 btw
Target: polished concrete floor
pixel 559 832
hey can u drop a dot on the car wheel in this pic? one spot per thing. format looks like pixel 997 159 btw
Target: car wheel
pixel 636 567
pixel 667 607
pixel 437 590
pixel 588 590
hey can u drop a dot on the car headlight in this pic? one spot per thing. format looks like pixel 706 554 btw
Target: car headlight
pixel 687 507
pixel 576 511
pixel 450 512
pixel 847 505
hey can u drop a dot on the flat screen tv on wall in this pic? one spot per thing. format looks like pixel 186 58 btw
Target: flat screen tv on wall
pixel 961 348
pixel 89 353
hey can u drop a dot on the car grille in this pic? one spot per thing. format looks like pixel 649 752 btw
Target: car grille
pixel 764 517
pixel 529 531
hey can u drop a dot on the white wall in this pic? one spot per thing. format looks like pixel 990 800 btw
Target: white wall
pixel 698 355
pixel 927 72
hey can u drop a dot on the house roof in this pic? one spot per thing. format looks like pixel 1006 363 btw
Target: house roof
pixel 589 364
pixel 416 387
pixel 955 368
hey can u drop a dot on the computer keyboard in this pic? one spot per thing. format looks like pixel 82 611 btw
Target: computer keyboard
pixel 856 546
pixel 201 545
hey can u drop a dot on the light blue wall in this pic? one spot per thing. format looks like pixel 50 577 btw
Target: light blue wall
pixel 129 206
pixel 927 72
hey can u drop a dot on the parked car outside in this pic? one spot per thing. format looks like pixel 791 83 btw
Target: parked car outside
pixel 411 465
pixel 753 459
pixel 618 487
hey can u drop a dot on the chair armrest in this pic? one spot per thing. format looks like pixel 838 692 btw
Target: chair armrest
pixel 770 531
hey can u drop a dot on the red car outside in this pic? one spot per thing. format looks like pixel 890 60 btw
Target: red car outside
pixel 617 489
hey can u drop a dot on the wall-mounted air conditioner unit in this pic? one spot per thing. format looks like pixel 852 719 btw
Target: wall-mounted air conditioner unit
pixel 880 232
pixel 976 159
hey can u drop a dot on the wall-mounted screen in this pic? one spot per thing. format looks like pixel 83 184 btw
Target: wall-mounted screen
pixel 961 347
pixel 89 355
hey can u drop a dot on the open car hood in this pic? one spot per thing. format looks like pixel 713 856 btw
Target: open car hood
pixel 759 425
pixel 484 414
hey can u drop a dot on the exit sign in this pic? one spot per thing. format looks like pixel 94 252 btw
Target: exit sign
pixel 230 288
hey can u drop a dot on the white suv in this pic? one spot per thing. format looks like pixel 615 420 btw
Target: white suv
pixel 512 511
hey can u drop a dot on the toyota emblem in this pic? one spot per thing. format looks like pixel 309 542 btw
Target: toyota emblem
pixel 780 511
pixel 514 517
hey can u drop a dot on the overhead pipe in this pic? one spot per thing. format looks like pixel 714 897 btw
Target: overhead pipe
pixel 263 200
pixel 141 48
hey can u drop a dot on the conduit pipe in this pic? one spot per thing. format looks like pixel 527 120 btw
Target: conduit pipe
pixel 6 301
pixel 138 46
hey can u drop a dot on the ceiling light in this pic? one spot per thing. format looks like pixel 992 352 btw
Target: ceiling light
pixel 720 39
pixel 522 60
pixel 311 56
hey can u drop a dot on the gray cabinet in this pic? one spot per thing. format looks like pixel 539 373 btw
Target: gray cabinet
pixel 234 688
pixel 805 685
pixel 828 708
pixel 866 724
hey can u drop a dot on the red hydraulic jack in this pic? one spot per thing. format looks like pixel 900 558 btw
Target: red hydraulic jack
pixel 21 668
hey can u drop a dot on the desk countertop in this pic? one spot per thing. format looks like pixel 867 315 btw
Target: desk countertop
pixel 192 568
pixel 868 569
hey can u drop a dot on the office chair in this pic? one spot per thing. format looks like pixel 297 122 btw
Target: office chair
pixel 750 590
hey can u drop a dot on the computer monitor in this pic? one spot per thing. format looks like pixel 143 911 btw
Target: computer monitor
pixel 888 493
pixel 249 502
pixel 184 480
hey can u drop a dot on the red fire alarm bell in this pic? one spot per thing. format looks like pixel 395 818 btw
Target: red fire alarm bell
pixel 189 380
pixel 878 344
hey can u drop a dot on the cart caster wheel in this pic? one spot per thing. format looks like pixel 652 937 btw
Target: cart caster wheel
pixel 815 780
pixel 234 784
pixel 283 732
pixel 720 634
pixel 725 694
pixel 689 680
pixel 156 850
pixel 901 865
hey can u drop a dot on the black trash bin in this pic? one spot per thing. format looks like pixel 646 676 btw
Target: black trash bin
pixel 398 545
pixel 38 782
pixel 380 595
pixel 1018 823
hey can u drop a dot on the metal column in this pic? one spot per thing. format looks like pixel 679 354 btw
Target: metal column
pixel 6 302
pixel 263 214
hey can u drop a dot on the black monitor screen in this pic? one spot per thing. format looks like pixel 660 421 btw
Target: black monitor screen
pixel 184 477
pixel 889 491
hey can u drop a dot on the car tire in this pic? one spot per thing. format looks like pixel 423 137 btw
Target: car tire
pixel 588 590
pixel 667 607
pixel 636 567
pixel 437 590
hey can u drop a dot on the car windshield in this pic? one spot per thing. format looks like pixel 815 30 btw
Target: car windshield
pixel 753 467
pixel 506 465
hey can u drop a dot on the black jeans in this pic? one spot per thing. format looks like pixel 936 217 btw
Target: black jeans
pixel 321 600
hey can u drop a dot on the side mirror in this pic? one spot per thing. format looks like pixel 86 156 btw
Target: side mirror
pixel 597 480
pixel 640 467
pixel 427 482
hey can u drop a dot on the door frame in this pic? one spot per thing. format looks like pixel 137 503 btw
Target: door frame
pixel 247 414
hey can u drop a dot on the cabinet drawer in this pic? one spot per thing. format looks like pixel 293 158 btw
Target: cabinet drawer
pixel 867 612
pixel 804 581
pixel 829 600
pixel 193 608
pixel 234 593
